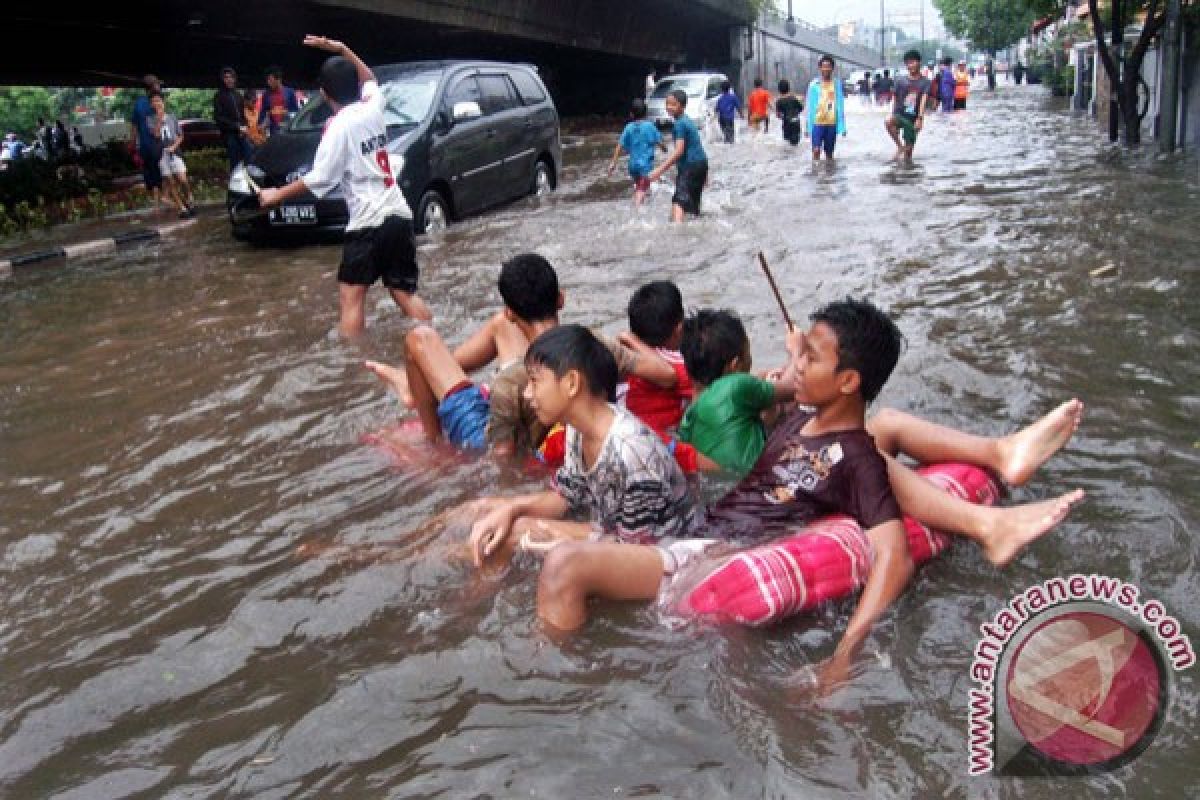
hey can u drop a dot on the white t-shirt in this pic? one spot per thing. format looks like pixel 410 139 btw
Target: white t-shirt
pixel 353 153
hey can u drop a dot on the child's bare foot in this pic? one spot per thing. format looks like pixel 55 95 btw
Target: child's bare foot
pixel 1022 453
pixel 395 378
pixel 1010 530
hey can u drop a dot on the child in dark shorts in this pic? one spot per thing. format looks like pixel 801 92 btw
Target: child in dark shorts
pixel 689 154
pixel 353 154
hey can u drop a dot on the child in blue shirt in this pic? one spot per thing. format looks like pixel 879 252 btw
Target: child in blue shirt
pixel 639 139
pixel 729 107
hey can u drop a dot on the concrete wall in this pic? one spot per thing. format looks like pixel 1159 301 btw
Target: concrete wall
pixel 1190 75
pixel 768 52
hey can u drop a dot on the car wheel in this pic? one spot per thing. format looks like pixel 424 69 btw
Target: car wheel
pixel 433 213
pixel 543 180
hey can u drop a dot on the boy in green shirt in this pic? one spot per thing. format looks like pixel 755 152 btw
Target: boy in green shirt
pixel 725 421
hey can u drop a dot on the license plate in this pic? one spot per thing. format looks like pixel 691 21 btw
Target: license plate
pixel 294 215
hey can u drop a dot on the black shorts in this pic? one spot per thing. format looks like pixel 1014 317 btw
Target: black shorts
pixel 689 186
pixel 387 252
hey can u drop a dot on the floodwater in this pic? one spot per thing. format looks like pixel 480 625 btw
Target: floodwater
pixel 211 587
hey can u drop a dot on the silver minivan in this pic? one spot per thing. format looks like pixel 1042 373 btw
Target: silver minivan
pixel 702 89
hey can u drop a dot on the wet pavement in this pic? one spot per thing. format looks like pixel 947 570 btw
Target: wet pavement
pixel 212 587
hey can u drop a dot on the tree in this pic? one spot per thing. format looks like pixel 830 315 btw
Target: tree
pixel 21 106
pixel 190 103
pixel 990 25
pixel 1126 81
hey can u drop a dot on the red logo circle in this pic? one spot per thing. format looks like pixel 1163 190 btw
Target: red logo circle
pixel 1084 688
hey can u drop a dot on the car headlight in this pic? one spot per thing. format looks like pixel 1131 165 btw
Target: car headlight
pixel 238 182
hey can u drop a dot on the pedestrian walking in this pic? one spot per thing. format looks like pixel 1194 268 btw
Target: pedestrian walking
pixel 758 106
pixel 789 108
pixel 143 140
pixel 908 113
pixel 688 153
pixel 229 116
pixel 946 85
pixel 962 86
pixel 170 164
pixel 639 139
pixel 729 108
pixel 826 110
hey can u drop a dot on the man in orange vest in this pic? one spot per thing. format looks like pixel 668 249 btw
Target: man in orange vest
pixel 962 86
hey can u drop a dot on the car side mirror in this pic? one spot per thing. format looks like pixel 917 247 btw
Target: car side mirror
pixel 467 110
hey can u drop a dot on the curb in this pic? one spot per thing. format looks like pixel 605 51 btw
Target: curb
pixel 109 244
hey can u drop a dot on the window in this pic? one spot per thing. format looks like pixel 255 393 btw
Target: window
pixel 313 116
pixel 528 87
pixel 465 90
pixel 409 98
pixel 497 94
pixel 692 87
pixel 714 87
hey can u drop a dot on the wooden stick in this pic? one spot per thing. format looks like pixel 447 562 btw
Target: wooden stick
pixel 762 260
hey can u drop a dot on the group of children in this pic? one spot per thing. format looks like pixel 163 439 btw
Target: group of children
pixel 620 517
pixel 640 138
pixel 826 121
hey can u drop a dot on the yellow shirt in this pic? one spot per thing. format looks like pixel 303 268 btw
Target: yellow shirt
pixel 827 107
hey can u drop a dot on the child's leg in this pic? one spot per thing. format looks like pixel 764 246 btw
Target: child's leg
pixel 185 190
pixel 430 371
pixel 411 304
pixel 1014 457
pixel 575 571
pixel 1001 532
pixel 352 298
pixel 171 184
pixel 893 132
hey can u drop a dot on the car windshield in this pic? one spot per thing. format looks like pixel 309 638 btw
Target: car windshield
pixel 409 97
pixel 693 86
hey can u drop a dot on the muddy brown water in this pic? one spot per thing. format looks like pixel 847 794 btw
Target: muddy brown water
pixel 210 587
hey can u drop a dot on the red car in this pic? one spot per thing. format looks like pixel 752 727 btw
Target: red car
pixel 199 134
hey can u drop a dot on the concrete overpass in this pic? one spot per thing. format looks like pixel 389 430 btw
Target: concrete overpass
pixel 593 53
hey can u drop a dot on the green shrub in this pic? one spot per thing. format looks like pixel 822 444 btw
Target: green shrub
pixel 209 164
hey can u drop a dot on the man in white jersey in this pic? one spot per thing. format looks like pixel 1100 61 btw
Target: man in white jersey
pixel 353 153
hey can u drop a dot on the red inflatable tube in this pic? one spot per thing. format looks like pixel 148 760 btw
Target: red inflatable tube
pixel 828 559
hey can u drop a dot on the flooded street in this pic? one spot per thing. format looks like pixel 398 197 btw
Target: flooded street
pixel 210 586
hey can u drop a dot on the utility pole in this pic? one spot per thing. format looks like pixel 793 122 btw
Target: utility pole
pixel 1114 98
pixel 1168 111
pixel 922 23
pixel 882 36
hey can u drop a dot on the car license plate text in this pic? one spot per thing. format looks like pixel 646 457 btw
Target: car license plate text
pixel 294 215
